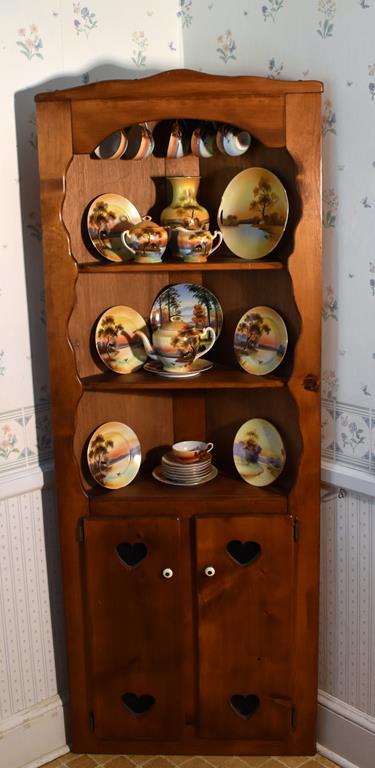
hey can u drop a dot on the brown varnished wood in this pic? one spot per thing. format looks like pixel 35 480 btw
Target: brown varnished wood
pixel 170 83
pixel 305 146
pixel 55 152
pixel 245 626
pixel 133 650
pixel 283 118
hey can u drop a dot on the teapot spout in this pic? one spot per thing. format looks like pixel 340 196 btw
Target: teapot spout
pixel 149 349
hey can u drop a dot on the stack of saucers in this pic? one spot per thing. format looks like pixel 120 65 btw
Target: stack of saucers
pixel 174 471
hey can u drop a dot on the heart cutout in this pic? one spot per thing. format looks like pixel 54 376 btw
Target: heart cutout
pixel 132 554
pixel 243 552
pixel 137 705
pixel 244 706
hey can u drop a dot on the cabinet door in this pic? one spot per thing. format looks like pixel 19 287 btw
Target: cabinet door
pixel 134 626
pixel 245 626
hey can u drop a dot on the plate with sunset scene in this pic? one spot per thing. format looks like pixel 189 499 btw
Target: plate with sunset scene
pixel 108 217
pixel 114 455
pixel 116 344
pixel 191 303
pixel 260 340
pixel 258 452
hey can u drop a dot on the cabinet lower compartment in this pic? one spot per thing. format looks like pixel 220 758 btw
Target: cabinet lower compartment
pixel 220 668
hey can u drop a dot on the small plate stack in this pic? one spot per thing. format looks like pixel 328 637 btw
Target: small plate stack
pixel 174 471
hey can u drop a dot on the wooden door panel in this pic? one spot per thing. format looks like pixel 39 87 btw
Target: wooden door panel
pixel 134 627
pixel 245 626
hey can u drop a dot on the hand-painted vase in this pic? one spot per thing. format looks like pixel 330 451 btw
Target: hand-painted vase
pixel 184 210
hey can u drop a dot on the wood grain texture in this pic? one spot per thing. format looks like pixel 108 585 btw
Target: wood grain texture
pixel 305 498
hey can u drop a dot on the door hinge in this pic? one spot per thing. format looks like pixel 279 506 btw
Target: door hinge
pixel 296 529
pixel 293 719
pixel 91 721
pixel 80 532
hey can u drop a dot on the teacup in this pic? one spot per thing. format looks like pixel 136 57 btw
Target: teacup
pixel 203 140
pixel 178 144
pixel 196 245
pixel 113 146
pixel 191 450
pixel 140 142
pixel 232 141
pixel 146 240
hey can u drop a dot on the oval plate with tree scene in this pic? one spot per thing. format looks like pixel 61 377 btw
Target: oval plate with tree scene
pixel 260 340
pixel 119 349
pixel 108 216
pixel 253 213
pixel 191 303
pixel 114 455
pixel 258 452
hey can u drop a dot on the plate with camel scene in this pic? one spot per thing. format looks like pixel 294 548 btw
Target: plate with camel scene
pixel 253 213
pixel 258 452
pixel 108 216
pixel 114 455
pixel 116 345
pixel 260 340
pixel 191 303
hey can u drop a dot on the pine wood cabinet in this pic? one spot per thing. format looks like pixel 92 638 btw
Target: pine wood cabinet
pixel 191 613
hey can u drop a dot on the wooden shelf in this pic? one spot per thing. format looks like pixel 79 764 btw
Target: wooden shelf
pixel 215 264
pixel 218 377
pixel 146 488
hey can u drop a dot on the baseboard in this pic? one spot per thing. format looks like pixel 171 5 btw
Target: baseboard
pixel 34 736
pixel 345 734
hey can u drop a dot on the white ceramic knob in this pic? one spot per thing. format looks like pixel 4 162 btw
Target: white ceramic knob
pixel 167 573
pixel 210 570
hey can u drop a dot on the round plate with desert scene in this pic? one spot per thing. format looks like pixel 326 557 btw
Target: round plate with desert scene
pixel 119 349
pixel 260 340
pixel 114 455
pixel 108 216
pixel 191 303
pixel 258 452
pixel 253 213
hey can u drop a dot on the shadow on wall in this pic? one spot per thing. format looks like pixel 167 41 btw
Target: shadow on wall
pixel 32 246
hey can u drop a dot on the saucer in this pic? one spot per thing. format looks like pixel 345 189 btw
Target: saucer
pixel 158 474
pixel 198 367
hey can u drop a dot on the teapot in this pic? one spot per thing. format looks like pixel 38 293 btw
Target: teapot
pixel 147 240
pixel 176 345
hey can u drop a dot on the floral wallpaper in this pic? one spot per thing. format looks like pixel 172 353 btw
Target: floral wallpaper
pixel 57 45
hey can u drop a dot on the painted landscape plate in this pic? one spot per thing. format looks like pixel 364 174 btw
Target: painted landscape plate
pixel 191 303
pixel 109 215
pixel 114 455
pixel 116 346
pixel 258 452
pixel 260 340
pixel 253 213
pixel 198 367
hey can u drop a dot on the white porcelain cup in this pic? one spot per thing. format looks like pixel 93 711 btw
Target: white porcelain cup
pixel 191 450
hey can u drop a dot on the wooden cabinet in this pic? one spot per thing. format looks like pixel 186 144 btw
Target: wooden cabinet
pixel 191 613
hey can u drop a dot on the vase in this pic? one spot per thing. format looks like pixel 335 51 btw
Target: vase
pixel 184 210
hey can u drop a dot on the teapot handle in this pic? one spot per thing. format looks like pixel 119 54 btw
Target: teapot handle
pixel 220 240
pixel 211 333
pixel 125 242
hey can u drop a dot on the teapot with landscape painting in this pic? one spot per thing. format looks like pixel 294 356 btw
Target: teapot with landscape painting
pixel 176 345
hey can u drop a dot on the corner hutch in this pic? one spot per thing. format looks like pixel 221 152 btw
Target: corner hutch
pixel 228 663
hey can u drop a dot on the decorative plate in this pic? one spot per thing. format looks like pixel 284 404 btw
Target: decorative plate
pixel 260 340
pixel 199 366
pixel 158 474
pixel 114 455
pixel 258 452
pixel 253 213
pixel 191 303
pixel 116 346
pixel 109 215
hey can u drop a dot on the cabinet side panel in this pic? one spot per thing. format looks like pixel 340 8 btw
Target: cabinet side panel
pixel 55 152
pixel 304 144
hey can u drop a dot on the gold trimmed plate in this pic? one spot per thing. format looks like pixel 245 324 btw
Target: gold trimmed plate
pixel 114 455
pixel 198 367
pixel 258 452
pixel 253 213
pixel 159 475
pixel 116 346
pixel 191 303
pixel 108 216
pixel 260 340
